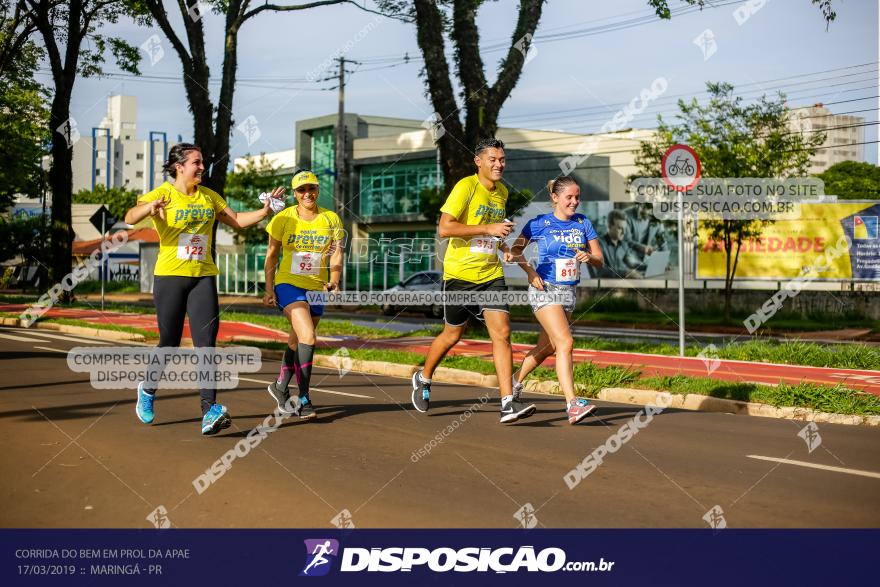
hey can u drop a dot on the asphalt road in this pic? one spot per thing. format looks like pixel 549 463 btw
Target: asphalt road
pixel 76 456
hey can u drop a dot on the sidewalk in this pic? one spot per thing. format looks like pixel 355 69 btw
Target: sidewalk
pixel 727 370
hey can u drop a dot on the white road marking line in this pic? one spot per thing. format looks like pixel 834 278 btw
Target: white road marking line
pixel 313 389
pixel 74 338
pixel 46 348
pixel 22 338
pixel 817 466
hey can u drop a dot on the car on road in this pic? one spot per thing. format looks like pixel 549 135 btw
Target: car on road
pixel 421 281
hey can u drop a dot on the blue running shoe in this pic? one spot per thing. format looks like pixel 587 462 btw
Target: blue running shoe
pixel 215 419
pixel 421 392
pixel 306 409
pixel 144 407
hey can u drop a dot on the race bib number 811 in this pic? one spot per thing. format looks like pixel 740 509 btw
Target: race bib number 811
pixel 566 270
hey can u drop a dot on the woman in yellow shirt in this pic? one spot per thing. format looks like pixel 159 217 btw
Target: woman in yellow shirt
pixel 183 213
pixel 311 240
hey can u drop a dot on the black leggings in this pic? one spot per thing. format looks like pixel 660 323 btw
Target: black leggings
pixel 176 297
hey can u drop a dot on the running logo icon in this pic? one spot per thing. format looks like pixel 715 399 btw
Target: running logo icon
pixel 320 553
pixel 864 227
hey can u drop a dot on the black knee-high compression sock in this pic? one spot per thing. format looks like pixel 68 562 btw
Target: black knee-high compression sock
pixel 305 354
pixel 289 368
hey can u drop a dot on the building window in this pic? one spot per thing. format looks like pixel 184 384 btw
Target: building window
pixel 139 156
pixel 127 137
pixel 324 164
pixel 396 190
pixel 139 174
pixel 97 172
pixel 128 162
pixel 390 257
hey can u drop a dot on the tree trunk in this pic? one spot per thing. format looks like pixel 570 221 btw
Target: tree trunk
pixel 482 103
pixel 61 183
pixel 195 83
pixel 728 273
pixel 223 122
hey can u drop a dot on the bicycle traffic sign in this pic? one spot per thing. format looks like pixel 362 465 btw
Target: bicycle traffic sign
pixel 680 167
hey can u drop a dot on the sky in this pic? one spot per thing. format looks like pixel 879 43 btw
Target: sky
pixel 589 58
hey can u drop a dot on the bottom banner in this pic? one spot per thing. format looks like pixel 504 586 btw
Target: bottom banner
pixel 437 557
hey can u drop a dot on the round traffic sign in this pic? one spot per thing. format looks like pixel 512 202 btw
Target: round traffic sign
pixel 680 167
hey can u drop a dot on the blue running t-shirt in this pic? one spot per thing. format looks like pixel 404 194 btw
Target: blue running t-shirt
pixel 558 241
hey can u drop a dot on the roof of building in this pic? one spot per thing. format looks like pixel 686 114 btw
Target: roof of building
pixel 146 235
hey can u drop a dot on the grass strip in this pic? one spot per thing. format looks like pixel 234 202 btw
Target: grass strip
pixel 592 379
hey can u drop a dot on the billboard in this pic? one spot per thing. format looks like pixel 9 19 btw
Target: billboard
pixel 805 247
pixel 635 244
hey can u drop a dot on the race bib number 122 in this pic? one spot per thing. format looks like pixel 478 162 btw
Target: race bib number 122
pixel 192 247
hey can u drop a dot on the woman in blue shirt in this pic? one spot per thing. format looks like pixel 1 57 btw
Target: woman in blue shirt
pixel 564 240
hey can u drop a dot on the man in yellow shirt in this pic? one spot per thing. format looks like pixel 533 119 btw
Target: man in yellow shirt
pixel 473 219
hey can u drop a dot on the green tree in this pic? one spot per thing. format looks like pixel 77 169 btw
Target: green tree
pixel 24 120
pixel 733 139
pixel 74 47
pixel 212 124
pixel 117 200
pixel 243 189
pixel 24 117
pixel 481 102
pixel 852 180
pixel 26 239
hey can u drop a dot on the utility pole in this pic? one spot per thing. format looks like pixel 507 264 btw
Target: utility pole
pixel 339 185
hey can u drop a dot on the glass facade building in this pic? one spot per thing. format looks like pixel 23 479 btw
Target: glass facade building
pixel 395 190
pixel 324 164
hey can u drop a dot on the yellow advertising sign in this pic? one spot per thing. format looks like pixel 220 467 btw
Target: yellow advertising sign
pixel 836 240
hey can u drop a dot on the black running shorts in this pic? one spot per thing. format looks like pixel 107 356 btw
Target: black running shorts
pixel 458 315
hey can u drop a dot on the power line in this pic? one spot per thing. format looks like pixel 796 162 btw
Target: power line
pixel 657 109
pixel 645 17
pixel 584 137
pixel 706 92
pixel 556 168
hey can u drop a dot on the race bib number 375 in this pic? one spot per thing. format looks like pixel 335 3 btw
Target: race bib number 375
pixel 485 245
pixel 192 247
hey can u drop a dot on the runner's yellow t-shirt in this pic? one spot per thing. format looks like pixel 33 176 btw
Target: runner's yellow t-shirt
pixel 475 259
pixel 185 234
pixel 305 244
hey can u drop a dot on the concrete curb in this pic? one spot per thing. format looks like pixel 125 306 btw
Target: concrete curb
pixel 623 395
pixel 82 330
pixel 705 403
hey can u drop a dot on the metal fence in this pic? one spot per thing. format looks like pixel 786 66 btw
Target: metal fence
pixel 242 273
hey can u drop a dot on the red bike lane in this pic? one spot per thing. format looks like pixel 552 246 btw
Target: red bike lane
pixel 649 365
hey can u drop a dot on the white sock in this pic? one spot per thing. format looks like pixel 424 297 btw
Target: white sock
pixel 423 379
pixel 506 400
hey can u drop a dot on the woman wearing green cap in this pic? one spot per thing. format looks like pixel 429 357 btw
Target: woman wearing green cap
pixel 311 242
